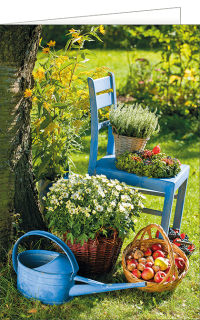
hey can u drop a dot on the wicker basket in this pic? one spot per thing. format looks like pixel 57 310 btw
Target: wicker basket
pixel 123 143
pixel 168 248
pixel 96 255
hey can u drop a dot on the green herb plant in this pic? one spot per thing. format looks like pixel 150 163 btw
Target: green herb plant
pixel 133 120
pixel 85 206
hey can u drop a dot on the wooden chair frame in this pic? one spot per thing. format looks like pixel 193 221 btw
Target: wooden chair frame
pixel 166 187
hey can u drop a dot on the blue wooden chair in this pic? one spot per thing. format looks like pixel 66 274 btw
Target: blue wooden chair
pixel 156 187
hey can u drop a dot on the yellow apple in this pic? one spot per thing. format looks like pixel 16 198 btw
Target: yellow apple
pixel 162 263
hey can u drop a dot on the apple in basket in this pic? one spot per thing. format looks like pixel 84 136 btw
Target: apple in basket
pixel 136 273
pixel 173 278
pixel 132 261
pixel 180 263
pixel 131 266
pixel 162 263
pixel 156 246
pixel 158 253
pixel 159 276
pixel 147 273
pixel 149 264
pixel 147 252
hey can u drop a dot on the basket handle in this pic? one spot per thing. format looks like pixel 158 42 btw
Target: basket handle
pixel 147 229
pixel 52 237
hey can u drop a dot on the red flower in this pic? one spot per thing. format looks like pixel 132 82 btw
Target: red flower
pixel 156 149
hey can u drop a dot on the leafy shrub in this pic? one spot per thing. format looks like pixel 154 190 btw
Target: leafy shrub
pixel 133 120
pixel 172 84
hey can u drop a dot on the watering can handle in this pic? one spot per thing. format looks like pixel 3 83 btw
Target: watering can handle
pixel 52 237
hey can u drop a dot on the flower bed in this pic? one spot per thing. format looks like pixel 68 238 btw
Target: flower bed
pixel 87 206
pixel 152 164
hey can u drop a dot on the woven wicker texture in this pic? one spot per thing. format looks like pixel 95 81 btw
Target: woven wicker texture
pixel 123 144
pixel 168 248
pixel 98 255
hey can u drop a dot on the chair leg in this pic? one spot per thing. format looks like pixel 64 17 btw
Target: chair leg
pixel 167 209
pixel 180 205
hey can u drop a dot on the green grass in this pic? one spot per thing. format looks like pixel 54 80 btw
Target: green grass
pixel 116 60
pixel 182 303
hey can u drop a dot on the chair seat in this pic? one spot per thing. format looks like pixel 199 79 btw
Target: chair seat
pixel 106 166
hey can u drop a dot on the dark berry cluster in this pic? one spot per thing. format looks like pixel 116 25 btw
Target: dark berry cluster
pixel 181 240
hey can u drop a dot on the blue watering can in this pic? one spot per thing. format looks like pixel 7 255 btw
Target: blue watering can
pixel 50 276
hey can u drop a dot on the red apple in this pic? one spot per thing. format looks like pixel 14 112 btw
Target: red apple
pixel 168 261
pixel 180 263
pixel 173 278
pixel 136 273
pixel 158 254
pixel 148 273
pixel 167 270
pixel 156 246
pixel 149 264
pixel 159 276
pixel 130 261
pixel 148 252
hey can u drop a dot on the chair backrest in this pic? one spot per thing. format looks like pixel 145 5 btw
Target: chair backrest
pixel 100 100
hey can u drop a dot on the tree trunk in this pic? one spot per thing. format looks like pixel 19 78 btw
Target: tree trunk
pixel 18 193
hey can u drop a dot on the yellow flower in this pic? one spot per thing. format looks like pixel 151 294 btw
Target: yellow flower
pixel 28 93
pixel 51 43
pixel 174 77
pixel 39 73
pixel 40 41
pixel 45 50
pixel 101 29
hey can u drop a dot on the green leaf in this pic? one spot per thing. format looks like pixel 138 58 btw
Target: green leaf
pixel 61 105
pixel 45 123
pixel 45 162
pixel 67 44
pixel 65 65
pixel 38 87
pixel 96 36
pixel 46 89
pixel 87 51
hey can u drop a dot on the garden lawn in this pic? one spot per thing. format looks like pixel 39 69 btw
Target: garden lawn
pixel 115 60
pixel 182 303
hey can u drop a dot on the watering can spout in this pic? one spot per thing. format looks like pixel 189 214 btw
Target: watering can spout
pixel 97 287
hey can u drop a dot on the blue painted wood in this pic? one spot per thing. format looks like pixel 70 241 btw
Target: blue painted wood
pixel 160 187
pixel 50 276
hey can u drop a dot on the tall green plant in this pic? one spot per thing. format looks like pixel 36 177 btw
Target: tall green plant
pixel 61 103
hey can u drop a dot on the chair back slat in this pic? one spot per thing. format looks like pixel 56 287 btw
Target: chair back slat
pixel 104 100
pixel 97 102
pixel 102 84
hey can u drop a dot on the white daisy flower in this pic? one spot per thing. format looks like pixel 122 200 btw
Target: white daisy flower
pixel 125 197
pixel 113 204
pixel 118 187
pixel 141 204
pixel 65 195
pixel 88 190
pixel 99 208
pixel 75 196
pixel 71 210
